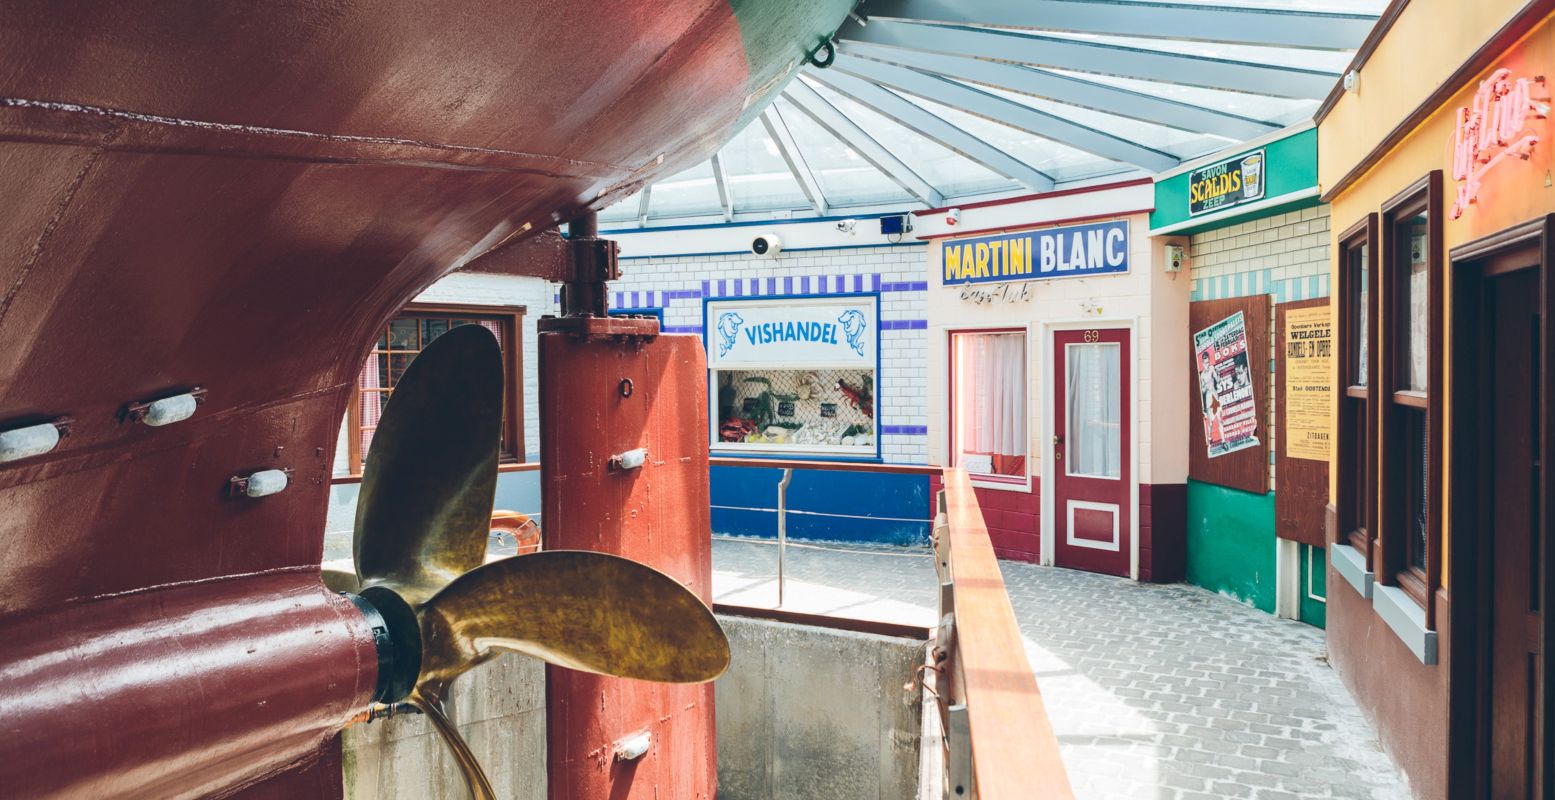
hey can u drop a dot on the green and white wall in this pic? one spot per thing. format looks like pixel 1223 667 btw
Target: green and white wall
pixel 1279 247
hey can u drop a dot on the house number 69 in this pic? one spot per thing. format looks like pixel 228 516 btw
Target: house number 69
pixel 1092 336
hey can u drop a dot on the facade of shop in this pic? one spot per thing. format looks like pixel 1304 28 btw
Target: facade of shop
pixel 1256 240
pixel 1055 336
pixel 1437 164
pixel 815 351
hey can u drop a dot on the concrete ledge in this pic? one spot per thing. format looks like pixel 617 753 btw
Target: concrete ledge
pixel 1407 619
pixel 1352 567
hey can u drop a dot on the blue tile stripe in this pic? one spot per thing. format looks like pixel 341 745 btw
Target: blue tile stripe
pixel 904 430
pixel 904 324
pixel 1242 284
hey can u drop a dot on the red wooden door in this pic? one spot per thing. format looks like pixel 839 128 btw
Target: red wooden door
pixel 1092 460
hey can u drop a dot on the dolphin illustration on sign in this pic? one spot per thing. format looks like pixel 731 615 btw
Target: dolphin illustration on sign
pixel 853 324
pixel 728 327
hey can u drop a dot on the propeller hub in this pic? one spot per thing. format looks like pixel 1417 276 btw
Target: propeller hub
pixel 397 636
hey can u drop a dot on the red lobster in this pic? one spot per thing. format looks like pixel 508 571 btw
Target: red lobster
pixel 857 398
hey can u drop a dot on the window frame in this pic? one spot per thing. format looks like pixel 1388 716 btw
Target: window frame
pixel 511 320
pixel 1357 418
pixel 1008 483
pixel 1393 568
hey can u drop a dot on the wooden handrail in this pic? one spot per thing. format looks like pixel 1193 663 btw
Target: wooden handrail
pixel 833 466
pixel 1014 750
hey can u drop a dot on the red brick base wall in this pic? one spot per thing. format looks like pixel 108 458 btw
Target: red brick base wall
pixel 1014 526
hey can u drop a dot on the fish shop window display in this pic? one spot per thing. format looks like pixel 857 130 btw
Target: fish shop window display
pixel 794 376
pixel 827 410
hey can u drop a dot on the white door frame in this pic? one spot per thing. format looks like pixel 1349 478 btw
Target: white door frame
pixel 1043 332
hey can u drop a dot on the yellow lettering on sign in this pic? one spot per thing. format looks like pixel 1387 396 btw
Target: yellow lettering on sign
pixel 981 249
pixel 952 262
pixel 1020 259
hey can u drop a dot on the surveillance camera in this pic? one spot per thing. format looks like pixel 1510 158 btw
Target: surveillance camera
pixel 953 217
pixel 847 225
pixel 766 244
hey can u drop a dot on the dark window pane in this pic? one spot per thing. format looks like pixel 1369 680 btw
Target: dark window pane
pixel 383 342
pixel 383 371
pixel 431 329
pixel 397 364
pixel 1359 262
pixel 1414 304
pixel 402 334
pixel 1417 448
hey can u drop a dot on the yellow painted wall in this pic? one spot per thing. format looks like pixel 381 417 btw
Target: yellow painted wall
pixel 1425 45
pixel 1515 192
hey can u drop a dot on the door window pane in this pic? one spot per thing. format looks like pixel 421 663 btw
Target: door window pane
pixel 1417 446
pixel 1093 428
pixel 1414 305
pixel 989 397
pixel 1359 258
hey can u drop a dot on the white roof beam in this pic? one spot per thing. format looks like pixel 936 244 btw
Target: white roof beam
pixel 1074 91
pixel 721 177
pixel 868 148
pixel 1105 59
pixel 778 130
pixel 1313 30
pixel 642 205
pixel 915 117
pixel 1008 112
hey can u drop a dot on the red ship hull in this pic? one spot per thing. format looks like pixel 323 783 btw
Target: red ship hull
pixel 236 197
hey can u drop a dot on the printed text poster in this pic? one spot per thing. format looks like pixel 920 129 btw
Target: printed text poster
pixel 1309 359
pixel 1226 386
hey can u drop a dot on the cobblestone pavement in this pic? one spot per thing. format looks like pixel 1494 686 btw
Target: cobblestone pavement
pixel 1158 692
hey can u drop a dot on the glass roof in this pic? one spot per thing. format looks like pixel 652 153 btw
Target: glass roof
pixel 932 103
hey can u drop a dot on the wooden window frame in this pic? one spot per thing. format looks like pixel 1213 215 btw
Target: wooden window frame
pixel 1390 556
pixel 1357 436
pixel 511 320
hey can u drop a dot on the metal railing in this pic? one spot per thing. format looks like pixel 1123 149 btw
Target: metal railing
pixel 788 468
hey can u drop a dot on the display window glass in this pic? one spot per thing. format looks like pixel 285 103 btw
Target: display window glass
pixel 794 376
pixel 988 404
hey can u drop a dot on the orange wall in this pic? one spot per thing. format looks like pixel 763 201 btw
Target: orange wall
pixel 1514 192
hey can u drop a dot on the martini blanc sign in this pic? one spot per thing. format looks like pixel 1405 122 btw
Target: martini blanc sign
pixel 1073 251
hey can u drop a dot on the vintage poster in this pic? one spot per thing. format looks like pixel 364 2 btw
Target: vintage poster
pixel 1226 386
pixel 1308 380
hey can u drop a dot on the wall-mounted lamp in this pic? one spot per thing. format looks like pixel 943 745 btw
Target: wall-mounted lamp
pixel 167 410
pixel 262 483
pixel 32 440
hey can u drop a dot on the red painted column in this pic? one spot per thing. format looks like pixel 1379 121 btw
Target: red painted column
pixel 598 398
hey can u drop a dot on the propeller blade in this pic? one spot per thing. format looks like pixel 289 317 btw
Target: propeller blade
pixel 588 611
pixel 424 511
pixel 474 776
pixel 338 580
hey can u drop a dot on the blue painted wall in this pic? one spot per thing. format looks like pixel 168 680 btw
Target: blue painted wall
pixel 824 505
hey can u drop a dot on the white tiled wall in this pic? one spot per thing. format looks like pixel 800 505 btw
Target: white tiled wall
pixel 678 284
pixel 1285 255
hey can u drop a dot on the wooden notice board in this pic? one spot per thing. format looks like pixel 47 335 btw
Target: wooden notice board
pixel 1304 403
pixel 1247 468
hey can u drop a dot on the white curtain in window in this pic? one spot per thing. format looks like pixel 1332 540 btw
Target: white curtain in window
pixel 1095 409
pixel 990 402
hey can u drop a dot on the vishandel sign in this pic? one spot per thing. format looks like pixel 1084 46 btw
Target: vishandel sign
pixel 1074 251
pixel 1228 183
pixel 781 333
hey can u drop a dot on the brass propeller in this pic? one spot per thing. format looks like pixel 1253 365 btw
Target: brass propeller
pixel 422 522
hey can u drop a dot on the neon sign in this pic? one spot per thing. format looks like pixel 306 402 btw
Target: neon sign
pixel 1491 129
